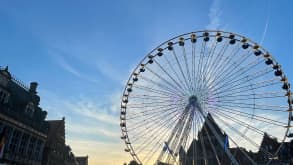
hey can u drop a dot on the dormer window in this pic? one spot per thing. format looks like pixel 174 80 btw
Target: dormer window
pixel 4 96
pixel 30 109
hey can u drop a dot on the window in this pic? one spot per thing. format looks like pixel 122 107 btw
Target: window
pixel 31 147
pixel 23 143
pixel 4 96
pixel 14 141
pixel 29 109
pixel 37 151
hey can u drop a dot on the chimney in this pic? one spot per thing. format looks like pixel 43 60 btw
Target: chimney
pixel 33 87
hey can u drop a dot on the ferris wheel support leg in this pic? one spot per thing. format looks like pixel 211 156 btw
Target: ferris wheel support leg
pixel 172 138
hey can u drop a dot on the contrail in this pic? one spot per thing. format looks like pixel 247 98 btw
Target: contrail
pixel 267 23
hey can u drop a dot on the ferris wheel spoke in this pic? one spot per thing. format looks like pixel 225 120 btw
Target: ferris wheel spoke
pixel 174 71
pixel 150 105
pixel 223 63
pixel 219 56
pixel 237 70
pixel 231 69
pixel 242 75
pixel 157 145
pixel 234 67
pixel 235 130
pixel 181 70
pixel 137 107
pixel 243 123
pixel 244 79
pixel 223 67
pixel 231 97
pixel 152 97
pixel 254 106
pixel 186 131
pixel 187 68
pixel 149 89
pixel 242 84
pixel 204 67
pixel 156 102
pixel 249 97
pixel 193 64
pixel 177 135
pixel 150 111
pixel 152 119
pixel 162 127
pixel 181 87
pixel 250 115
pixel 199 67
pixel 210 56
pixel 165 125
pixel 147 99
pixel 211 144
pixel 159 85
pixel 244 136
pixel 242 151
pixel 247 88
pixel 166 81
pixel 153 111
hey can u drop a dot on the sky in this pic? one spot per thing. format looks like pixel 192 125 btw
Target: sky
pixel 81 53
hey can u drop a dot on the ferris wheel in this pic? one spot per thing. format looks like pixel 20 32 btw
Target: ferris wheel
pixel 206 97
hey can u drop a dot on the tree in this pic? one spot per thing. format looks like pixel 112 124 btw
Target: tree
pixel 133 162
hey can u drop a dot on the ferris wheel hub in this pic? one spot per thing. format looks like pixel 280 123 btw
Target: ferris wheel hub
pixel 193 100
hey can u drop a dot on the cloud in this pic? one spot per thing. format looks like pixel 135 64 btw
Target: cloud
pixel 86 107
pixel 214 15
pixel 107 69
pixel 92 130
pixel 64 64
pixel 100 153
pixel 59 57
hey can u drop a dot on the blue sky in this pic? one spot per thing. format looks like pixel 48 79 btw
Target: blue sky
pixel 82 52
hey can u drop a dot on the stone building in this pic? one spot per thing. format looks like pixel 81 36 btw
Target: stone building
pixel 26 138
pixel 82 160
pixel 22 122
pixel 56 152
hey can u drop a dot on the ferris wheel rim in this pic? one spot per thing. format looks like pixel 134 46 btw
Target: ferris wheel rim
pixel 123 109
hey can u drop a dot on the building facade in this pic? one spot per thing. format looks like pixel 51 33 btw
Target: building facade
pixel 26 138
pixel 56 152
pixel 22 122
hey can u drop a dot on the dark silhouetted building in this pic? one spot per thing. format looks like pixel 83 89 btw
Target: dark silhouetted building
pixel 82 160
pixel 56 152
pixel 22 122
pixel 25 137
